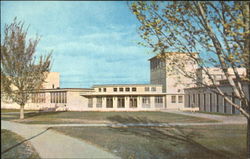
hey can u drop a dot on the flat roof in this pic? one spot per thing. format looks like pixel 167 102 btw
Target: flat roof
pixel 124 85
pixel 170 53
pixel 66 89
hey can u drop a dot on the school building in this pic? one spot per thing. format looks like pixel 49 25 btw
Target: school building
pixel 167 90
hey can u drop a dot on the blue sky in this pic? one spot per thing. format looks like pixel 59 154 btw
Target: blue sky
pixel 92 42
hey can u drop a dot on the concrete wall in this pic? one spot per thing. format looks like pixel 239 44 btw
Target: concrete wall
pixel 52 80
pixel 212 102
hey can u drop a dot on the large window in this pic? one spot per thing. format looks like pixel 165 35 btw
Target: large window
pixel 193 98
pixel 38 97
pixel 133 102
pixel 204 101
pixel 115 89
pixel 109 102
pixel 134 89
pixel 217 102
pixel 180 99
pixel 90 102
pixel 225 104
pixel 121 102
pixel 104 89
pixel 98 102
pixel 146 89
pixel 58 97
pixel 199 100
pixel 173 99
pixel 158 99
pixel 233 100
pixel 210 102
pixel 146 102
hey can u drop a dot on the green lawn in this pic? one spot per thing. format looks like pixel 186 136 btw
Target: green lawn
pixel 22 151
pixel 15 110
pixel 102 117
pixel 217 113
pixel 213 142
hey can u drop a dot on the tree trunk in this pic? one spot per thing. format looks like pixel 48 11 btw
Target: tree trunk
pixel 22 112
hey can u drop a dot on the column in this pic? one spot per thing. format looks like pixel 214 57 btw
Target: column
pixel 104 103
pixel 139 102
pixel 126 102
pixel 152 102
pixel 94 102
pixel 115 102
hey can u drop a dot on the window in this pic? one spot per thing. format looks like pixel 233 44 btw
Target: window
pixel 115 89
pixel 134 89
pixel 109 102
pixel 90 102
pixel 58 97
pixel 100 89
pixel 38 97
pixel 189 101
pixel 158 99
pixel 98 102
pixel 121 89
pixel 205 102
pixel 199 100
pixel 146 89
pixel 233 100
pixel 127 89
pixel 133 102
pixel 217 102
pixel 121 102
pixel 173 99
pixel 180 99
pixel 153 89
pixel 104 89
pixel 210 102
pixel 225 104
pixel 146 100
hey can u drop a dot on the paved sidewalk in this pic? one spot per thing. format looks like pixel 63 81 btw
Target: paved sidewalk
pixel 50 144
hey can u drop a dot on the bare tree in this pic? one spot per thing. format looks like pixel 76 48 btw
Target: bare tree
pixel 219 31
pixel 21 72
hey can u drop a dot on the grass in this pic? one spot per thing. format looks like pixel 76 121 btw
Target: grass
pixel 24 150
pixel 189 142
pixel 217 113
pixel 15 110
pixel 102 117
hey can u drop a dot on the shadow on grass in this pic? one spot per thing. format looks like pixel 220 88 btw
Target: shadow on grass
pixel 14 146
pixel 176 136
pixel 27 115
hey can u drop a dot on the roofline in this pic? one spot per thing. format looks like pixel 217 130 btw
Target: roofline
pixel 124 85
pixel 125 94
pixel 171 53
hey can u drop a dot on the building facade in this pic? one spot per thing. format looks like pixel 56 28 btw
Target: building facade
pixel 169 88
pixel 163 71
pixel 208 100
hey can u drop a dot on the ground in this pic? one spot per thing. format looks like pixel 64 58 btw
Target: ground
pixel 216 142
pixel 216 136
pixel 24 150
pixel 101 117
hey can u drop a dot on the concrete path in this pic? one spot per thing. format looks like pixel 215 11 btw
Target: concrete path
pixel 50 144
pixel 224 119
